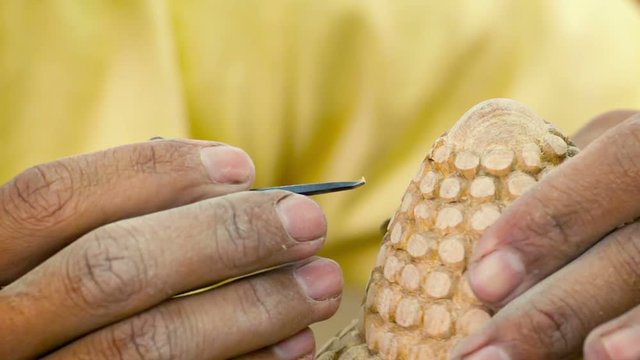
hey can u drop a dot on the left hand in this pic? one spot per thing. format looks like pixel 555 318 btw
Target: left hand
pixel 559 265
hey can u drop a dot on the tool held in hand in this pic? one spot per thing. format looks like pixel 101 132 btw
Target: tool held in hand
pixel 317 188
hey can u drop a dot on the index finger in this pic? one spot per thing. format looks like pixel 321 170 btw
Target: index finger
pixel 552 319
pixel 561 217
pixel 48 206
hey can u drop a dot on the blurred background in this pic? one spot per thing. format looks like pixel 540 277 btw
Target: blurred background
pixel 312 90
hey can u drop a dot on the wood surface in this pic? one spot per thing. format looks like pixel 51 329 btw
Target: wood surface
pixel 418 303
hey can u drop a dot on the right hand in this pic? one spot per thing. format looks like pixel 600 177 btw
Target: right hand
pixel 93 248
pixel 562 263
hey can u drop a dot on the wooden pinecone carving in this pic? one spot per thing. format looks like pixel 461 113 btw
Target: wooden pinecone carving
pixel 418 303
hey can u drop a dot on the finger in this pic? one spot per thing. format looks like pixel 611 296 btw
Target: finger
pixel 599 125
pixel 300 346
pixel 239 318
pixel 126 267
pixel 619 339
pixel 50 205
pixel 552 319
pixel 559 218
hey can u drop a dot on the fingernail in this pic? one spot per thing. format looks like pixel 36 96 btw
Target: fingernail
pixel 296 347
pixel 623 344
pixel 488 353
pixel 302 217
pixel 496 275
pixel 320 279
pixel 227 164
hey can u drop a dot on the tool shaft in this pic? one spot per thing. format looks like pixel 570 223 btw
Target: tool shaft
pixel 317 188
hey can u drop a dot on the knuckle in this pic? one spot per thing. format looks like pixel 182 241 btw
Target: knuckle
pixel 541 220
pixel 43 195
pixel 551 328
pixel 107 270
pixel 150 335
pixel 156 157
pixel 254 303
pixel 241 234
pixel 145 159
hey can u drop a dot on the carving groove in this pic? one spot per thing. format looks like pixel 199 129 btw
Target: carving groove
pixel 418 303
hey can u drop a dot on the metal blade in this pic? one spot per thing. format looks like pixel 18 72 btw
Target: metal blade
pixel 317 188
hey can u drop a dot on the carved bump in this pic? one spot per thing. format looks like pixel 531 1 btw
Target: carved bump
pixel 492 155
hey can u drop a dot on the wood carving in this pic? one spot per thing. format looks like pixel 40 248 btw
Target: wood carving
pixel 418 303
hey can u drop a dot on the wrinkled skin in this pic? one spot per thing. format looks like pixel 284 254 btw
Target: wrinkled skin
pixel 576 236
pixel 94 248
pixel 108 294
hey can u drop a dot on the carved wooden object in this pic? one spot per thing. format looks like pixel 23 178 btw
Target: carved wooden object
pixel 418 302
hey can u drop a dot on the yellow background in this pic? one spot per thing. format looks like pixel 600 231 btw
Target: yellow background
pixel 313 90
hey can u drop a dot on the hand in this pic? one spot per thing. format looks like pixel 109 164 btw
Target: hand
pixel 563 261
pixel 93 249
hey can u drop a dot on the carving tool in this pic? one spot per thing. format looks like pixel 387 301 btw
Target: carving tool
pixel 317 188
